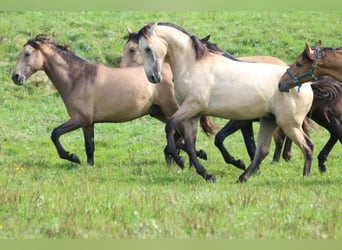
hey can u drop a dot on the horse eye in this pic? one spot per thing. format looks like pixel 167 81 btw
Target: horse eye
pixel 298 65
pixel 131 50
pixel 148 50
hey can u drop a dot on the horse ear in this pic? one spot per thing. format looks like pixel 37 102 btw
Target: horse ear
pixel 152 28
pixel 309 51
pixel 205 39
pixel 129 30
pixel 318 44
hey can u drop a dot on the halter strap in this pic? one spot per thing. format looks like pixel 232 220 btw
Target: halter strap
pixel 296 80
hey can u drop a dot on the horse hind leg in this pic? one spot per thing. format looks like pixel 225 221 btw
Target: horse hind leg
pixel 297 135
pixel 231 127
pixel 323 154
pixel 267 126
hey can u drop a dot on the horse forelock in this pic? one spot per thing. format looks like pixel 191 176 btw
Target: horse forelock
pixel 132 37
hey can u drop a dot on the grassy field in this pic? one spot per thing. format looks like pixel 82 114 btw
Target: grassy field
pixel 130 192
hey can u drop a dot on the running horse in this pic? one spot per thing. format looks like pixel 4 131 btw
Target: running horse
pixel 131 57
pixel 208 83
pixel 93 93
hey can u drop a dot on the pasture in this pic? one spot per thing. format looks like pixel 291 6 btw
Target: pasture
pixel 130 192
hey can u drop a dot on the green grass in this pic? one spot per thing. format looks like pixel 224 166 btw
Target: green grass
pixel 130 192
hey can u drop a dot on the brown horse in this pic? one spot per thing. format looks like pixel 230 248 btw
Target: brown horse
pixel 92 93
pixel 311 63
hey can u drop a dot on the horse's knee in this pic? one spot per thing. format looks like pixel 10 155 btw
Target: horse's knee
pixel 263 152
pixel 219 138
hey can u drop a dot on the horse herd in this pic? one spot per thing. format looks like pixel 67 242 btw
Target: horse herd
pixel 182 80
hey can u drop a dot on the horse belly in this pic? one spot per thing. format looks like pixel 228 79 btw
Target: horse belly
pixel 239 104
pixel 121 106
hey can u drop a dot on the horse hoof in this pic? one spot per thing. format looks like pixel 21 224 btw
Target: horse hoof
pixel 323 169
pixel 180 162
pixel 240 164
pixel 211 178
pixel 169 159
pixel 74 158
pixel 242 179
pixel 202 155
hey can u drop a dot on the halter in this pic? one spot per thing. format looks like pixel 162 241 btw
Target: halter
pixel 296 80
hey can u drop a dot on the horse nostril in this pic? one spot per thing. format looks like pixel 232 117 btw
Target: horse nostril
pixel 15 77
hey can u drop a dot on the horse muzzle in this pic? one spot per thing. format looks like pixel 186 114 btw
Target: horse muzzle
pixel 155 77
pixel 18 79
pixel 283 86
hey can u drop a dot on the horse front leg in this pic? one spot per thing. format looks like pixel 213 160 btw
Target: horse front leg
pixel 190 131
pixel 88 133
pixel 66 127
pixel 231 127
pixel 187 110
pixel 171 151
pixel 267 126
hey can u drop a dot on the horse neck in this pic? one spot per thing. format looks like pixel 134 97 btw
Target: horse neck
pixel 331 64
pixel 180 48
pixel 58 71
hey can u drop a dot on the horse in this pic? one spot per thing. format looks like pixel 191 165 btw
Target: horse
pixel 206 82
pixel 326 111
pixel 311 63
pixel 131 57
pixel 93 93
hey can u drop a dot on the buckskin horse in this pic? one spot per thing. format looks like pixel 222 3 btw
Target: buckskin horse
pixel 94 93
pixel 207 83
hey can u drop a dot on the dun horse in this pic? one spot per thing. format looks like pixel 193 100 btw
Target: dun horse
pixel 326 111
pixel 93 93
pixel 131 57
pixel 207 83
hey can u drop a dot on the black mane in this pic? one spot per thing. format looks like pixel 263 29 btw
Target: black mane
pixel 81 67
pixel 61 49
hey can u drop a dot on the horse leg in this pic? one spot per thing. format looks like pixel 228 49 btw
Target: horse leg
pixel 278 137
pixel 323 154
pixel 88 133
pixel 183 113
pixel 288 142
pixel 287 149
pixel 231 127
pixel 267 126
pixel 298 136
pixel 248 137
pixel 66 127
pixel 158 113
pixel 190 131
